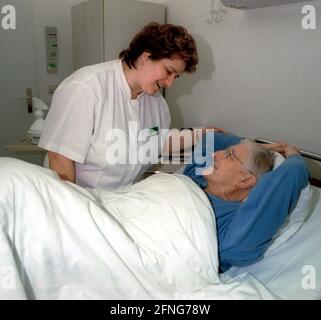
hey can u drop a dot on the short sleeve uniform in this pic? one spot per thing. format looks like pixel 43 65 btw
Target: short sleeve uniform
pixel 94 121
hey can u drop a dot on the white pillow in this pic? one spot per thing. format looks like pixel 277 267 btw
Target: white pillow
pixel 296 218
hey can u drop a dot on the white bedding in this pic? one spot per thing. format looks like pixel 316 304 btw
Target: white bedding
pixel 293 271
pixel 153 240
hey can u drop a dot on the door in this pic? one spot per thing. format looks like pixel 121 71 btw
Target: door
pixel 17 72
pixel 101 29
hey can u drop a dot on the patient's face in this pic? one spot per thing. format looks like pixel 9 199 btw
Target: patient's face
pixel 228 166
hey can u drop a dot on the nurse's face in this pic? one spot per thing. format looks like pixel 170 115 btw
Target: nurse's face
pixel 158 74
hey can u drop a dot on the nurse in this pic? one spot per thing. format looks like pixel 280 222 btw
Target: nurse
pixel 120 96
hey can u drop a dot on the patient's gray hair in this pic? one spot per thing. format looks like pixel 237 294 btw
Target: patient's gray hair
pixel 261 160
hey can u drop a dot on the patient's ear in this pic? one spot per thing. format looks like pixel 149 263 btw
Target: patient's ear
pixel 247 181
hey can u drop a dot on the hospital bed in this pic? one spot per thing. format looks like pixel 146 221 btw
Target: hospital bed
pixel 293 269
pixel 147 241
pixel 153 240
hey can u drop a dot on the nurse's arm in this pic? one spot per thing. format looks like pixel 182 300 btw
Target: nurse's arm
pixel 62 165
pixel 179 140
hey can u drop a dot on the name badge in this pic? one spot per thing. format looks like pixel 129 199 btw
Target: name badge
pixel 153 131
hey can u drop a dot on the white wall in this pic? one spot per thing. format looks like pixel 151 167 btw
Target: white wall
pixel 258 76
pixel 54 13
pixel 259 73
pixel 23 64
pixel 16 74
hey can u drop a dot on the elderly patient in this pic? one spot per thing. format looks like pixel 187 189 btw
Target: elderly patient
pixel 250 201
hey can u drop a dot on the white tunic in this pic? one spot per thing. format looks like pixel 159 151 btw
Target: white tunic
pixel 84 109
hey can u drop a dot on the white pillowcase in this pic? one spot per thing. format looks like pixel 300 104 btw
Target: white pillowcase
pixel 296 218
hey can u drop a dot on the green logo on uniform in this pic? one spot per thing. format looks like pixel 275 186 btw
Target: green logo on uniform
pixel 153 131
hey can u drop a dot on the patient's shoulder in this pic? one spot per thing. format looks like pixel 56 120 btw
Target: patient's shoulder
pixel 292 167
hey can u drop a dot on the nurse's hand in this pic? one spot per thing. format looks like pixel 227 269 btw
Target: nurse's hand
pixel 198 132
pixel 215 129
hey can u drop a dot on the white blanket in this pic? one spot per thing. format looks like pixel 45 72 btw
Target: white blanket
pixel 153 240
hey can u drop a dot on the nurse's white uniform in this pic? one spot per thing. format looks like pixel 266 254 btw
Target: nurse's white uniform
pixel 86 107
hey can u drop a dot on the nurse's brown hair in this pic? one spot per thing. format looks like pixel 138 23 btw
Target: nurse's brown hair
pixel 162 41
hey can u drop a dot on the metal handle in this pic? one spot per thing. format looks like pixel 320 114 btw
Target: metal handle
pixel 28 97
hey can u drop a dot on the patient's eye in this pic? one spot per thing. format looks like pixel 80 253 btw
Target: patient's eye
pixel 229 153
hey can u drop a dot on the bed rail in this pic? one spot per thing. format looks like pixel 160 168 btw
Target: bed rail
pixel 307 154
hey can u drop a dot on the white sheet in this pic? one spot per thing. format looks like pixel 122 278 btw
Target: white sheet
pixel 293 271
pixel 154 240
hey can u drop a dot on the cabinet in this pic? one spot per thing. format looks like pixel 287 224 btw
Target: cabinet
pixel 253 4
pixel 101 29
pixel 25 146
pixel 27 151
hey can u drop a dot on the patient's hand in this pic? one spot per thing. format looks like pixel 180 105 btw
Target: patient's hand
pixel 282 148
pixel 289 150
pixel 278 147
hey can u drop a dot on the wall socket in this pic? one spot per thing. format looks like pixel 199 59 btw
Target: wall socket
pixel 51 89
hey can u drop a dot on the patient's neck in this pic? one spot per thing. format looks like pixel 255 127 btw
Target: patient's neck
pixel 227 194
